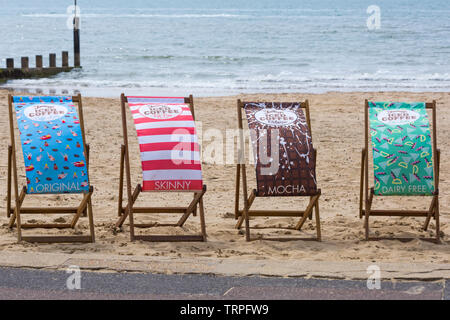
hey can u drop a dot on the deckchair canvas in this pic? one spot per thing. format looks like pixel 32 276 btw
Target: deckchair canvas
pixel 405 159
pixel 56 159
pixel 170 161
pixel 285 161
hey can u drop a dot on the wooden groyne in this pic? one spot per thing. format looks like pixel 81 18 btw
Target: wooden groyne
pixel 39 71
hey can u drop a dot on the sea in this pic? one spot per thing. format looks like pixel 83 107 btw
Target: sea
pixel 225 47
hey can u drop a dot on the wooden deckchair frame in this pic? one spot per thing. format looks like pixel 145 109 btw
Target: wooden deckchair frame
pixel 243 215
pixel 128 210
pixel 367 193
pixel 15 212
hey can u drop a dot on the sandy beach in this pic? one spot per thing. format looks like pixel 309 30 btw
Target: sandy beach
pixel 337 125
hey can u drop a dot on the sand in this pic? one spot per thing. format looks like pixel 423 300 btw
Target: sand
pixel 337 123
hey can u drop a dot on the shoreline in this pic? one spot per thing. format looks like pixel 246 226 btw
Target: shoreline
pixel 172 92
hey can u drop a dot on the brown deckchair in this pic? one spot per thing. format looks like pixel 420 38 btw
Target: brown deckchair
pixel 75 124
pixel 296 131
pixel 159 121
pixel 368 192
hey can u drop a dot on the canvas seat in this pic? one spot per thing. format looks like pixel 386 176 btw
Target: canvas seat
pixel 170 162
pixel 56 159
pixel 285 159
pixel 405 160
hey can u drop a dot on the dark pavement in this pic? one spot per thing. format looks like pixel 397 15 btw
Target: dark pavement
pixel 42 284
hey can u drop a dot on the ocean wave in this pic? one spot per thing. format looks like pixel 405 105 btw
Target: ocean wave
pixel 269 83
pixel 199 58
pixel 132 15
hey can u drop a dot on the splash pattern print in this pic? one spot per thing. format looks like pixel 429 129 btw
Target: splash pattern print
pixel 292 154
pixel 402 148
pixel 52 145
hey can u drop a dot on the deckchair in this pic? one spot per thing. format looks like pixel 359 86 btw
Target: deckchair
pixel 405 160
pixel 56 159
pixel 290 171
pixel 170 162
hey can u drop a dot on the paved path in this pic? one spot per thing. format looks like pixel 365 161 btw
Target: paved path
pixel 226 267
pixel 18 283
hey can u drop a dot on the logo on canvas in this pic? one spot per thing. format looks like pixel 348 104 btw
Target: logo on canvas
pixel 274 117
pixel 45 112
pixel 398 117
pixel 160 112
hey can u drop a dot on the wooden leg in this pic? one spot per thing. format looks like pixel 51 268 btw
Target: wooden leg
pixel 361 186
pixel 308 211
pixel 366 221
pixel 367 213
pixel 431 213
pixel 124 216
pixel 17 213
pixel 311 214
pixel 318 230
pixel 202 219
pixel 438 229
pixel 236 196
pixel 194 212
pixel 8 190
pixel 190 208
pixel 19 224
pixel 250 202
pixel 13 217
pixel 246 204
pixel 81 208
pixel 91 220
pixel 121 176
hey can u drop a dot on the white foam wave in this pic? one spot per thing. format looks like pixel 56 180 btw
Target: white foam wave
pixel 107 15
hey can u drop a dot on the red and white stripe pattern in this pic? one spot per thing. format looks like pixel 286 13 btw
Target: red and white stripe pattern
pixel 168 143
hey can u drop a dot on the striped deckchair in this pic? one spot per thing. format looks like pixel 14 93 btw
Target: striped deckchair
pixel 405 160
pixel 56 160
pixel 285 162
pixel 170 161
